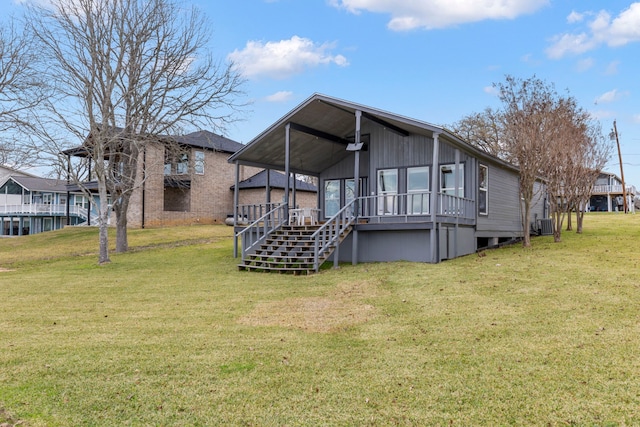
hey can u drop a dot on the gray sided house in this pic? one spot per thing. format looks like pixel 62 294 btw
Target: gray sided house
pixel 607 194
pixel 390 188
pixel 30 205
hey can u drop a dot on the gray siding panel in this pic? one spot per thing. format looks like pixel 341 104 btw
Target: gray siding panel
pixel 504 205
pixel 389 245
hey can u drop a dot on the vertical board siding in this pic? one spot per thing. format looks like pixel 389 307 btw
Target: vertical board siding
pixel 504 202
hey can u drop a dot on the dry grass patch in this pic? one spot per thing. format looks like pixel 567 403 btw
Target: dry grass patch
pixel 346 306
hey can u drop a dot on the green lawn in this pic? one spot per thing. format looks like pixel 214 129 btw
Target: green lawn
pixel 173 334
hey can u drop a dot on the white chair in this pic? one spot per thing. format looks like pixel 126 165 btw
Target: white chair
pixel 308 213
pixel 294 216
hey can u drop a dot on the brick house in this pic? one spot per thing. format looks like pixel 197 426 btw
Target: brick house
pixel 253 190
pixel 193 188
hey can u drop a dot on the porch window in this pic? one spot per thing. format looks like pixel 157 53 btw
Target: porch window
pixel 387 192
pixel 483 190
pixel 448 180
pixel 418 190
pixel 350 192
pixel 331 197
pixel 47 198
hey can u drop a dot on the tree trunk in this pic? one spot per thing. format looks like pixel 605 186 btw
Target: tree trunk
pixel 526 220
pixel 558 218
pixel 569 222
pixel 579 218
pixel 103 224
pixel 122 241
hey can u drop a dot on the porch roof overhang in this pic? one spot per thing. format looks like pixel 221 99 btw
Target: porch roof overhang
pixel 321 128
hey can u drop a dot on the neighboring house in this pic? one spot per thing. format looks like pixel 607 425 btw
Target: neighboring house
pixel 191 189
pixel 607 195
pixel 30 205
pixel 268 187
pixel 408 190
pixel 6 171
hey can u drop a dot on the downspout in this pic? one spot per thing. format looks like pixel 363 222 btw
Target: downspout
pixel 434 198
pixel 235 210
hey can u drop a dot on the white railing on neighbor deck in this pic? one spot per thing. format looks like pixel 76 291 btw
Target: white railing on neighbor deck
pixel 42 209
pixel 411 206
pixel 328 235
pixel 256 232
pixel 604 189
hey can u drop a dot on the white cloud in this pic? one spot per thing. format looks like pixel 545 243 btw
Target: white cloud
pixel 284 58
pixel 431 14
pixel 612 68
pixel 602 114
pixel 611 96
pixel 491 90
pixel 575 17
pixel 281 96
pixel 570 43
pixel 585 64
pixel 636 118
pixel 601 30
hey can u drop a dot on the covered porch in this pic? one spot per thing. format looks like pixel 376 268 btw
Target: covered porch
pixel 324 133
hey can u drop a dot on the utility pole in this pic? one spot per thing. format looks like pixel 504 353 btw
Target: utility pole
pixel 624 188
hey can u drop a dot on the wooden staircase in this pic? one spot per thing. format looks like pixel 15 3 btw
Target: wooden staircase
pixel 289 249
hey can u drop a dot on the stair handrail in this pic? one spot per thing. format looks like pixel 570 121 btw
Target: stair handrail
pixel 254 233
pixel 329 233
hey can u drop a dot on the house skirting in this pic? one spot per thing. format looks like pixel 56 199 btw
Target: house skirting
pixel 409 244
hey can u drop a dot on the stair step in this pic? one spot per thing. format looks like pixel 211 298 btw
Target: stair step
pixel 289 249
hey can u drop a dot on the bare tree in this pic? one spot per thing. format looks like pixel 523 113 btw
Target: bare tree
pixel 588 160
pixel 527 116
pixel 127 73
pixel 20 91
pixel 483 130
pixel 566 128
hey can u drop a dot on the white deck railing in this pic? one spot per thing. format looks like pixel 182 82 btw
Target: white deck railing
pixel 607 189
pixel 42 209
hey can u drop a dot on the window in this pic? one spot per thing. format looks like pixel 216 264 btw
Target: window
pixel 47 198
pixel 483 190
pixel 81 201
pixel 176 163
pixel 418 190
pixel 182 167
pixel 448 180
pixel 177 199
pixel 11 188
pixel 199 163
pixel 331 197
pixel 387 192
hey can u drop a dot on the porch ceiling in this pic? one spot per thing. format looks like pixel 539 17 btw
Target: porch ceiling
pixel 320 131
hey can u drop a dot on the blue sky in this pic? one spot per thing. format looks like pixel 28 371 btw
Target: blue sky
pixel 433 60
